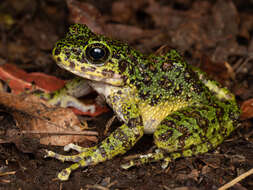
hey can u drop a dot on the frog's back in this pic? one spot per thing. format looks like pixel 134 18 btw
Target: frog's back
pixel 167 78
pixel 166 84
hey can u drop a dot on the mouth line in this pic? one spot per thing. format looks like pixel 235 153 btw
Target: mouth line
pixel 113 79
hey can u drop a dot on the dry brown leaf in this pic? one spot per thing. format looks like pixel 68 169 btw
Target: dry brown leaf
pixel 52 125
pixel 247 109
pixel 85 13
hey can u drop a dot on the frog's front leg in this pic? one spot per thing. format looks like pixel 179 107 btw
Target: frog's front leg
pixel 67 96
pixel 121 140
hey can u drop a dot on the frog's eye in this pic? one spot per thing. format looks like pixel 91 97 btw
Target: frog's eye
pixel 97 53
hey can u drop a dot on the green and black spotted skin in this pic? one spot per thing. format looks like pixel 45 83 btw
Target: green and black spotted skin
pixel 159 94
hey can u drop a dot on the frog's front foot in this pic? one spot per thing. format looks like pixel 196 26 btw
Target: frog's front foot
pixel 81 160
pixel 64 174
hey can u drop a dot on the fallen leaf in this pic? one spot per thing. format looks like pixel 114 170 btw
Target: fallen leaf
pixel 21 81
pixel 52 125
pixel 220 71
pixel 85 13
pixel 247 109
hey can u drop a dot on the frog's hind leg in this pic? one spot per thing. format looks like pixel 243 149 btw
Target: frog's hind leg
pixel 190 131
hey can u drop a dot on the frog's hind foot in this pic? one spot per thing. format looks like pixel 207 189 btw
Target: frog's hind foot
pixel 63 158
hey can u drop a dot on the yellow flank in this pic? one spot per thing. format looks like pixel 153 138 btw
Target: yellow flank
pixel 153 115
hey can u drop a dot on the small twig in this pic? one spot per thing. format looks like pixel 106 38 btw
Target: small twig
pixel 112 183
pixel 109 124
pixel 5 181
pixel 87 133
pixel 3 141
pixel 230 70
pixel 248 135
pixel 100 187
pixel 131 157
pixel 165 187
pixel 8 173
pixel 236 180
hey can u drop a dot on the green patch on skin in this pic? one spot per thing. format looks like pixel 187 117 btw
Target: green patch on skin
pixel 160 94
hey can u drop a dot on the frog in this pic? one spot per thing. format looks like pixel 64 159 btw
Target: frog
pixel 160 94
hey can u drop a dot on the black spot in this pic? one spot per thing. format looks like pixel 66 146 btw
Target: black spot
pixel 220 114
pixel 67 53
pixel 165 136
pixel 147 80
pixel 131 70
pixel 82 59
pixel 91 69
pixel 176 117
pixel 178 90
pixel 111 147
pixel 144 95
pixel 182 140
pixel 177 72
pixel 183 129
pixel 57 51
pixel 166 83
pixel 213 121
pixel 80 38
pixel 214 131
pixel 107 141
pixel 108 73
pixel 77 52
pixel 72 65
pixel 128 50
pixel 121 136
pixel 83 69
pixel 203 123
pixel 58 59
pixel 123 65
pixel 188 96
pixel 169 123
pixel 77 159
pixel 134 60
pixel 102 151
pixel 133 122
pixel 116 55
pixel 155 100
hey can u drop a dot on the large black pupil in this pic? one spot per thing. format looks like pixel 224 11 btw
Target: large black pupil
pixel 97 53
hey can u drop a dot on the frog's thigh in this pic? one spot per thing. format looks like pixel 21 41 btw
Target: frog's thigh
pixel 191 131
pixel 184 133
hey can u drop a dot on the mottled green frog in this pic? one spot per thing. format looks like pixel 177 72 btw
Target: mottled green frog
pixel 158 94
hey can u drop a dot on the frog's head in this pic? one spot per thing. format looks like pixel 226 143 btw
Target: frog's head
pixel 94 57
